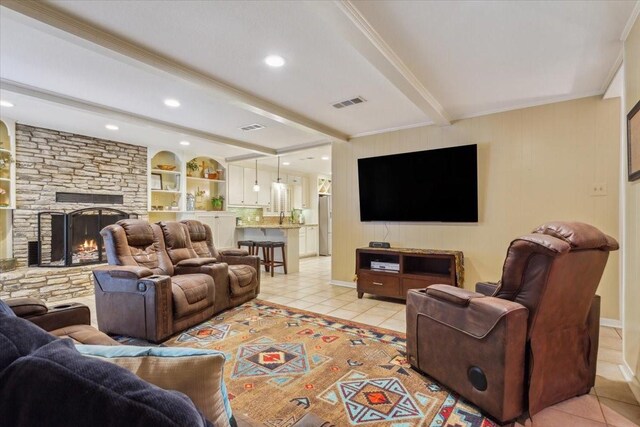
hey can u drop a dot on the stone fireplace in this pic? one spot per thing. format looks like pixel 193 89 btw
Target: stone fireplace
pixel 50 166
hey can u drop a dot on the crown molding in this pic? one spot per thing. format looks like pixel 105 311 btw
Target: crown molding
pixel 126 116
pixel 81 32
pixel 630 22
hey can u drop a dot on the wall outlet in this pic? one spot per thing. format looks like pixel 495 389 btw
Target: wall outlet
pixel 598 189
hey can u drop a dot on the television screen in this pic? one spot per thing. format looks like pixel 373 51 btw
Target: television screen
pixel 435 185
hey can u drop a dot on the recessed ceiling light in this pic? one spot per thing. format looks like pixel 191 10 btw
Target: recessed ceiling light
pixel 4 103
pixel 184 143
pixel 171 102
pixel 325 157
pixel 286 163
pixel 274 61
pixel 112 127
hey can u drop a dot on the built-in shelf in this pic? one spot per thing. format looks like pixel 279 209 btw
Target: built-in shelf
pixel 165 172
pixel 166 191
pixel 5 179
pixel 193 178
pixel 4 150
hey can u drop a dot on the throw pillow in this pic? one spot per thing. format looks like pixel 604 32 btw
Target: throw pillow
pixel 197 373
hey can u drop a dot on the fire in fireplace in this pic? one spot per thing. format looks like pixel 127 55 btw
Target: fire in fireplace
pixel 73 238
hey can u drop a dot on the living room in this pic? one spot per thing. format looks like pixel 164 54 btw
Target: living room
pixel 231 174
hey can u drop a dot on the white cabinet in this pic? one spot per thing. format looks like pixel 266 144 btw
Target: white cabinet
pixel 312 240
pixel 264 195
pixel 308 245
pixel 296 196
pixel 235 178
pixel 302 245
pixel 250 197
pixel 306 199
pixel 223 226
pixel 241 182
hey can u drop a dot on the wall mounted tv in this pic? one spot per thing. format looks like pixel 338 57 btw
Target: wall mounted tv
pixel 438 185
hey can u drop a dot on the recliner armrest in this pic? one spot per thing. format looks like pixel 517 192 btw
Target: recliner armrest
pixel 487 288
pixel 25 307
pixel 196 262
pixel 123 271
pixel 233 252
pixel 62 316
pixel 452 294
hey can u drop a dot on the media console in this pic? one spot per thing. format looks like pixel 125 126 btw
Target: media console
pixel 401 269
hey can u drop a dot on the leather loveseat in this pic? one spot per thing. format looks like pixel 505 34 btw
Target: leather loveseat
pixel 527 343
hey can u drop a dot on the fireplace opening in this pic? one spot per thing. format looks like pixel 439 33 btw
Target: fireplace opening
pixel 73 238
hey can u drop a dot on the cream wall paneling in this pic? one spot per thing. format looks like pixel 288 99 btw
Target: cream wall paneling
pixel 534 165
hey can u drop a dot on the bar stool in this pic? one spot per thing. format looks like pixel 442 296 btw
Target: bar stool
pixel 250 244
pixel 270 262
pixel 265 245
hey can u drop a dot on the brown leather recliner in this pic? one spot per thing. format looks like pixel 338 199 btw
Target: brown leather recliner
pixel 244 269
pixel 70 320
pixel 533 343
pixel 140 294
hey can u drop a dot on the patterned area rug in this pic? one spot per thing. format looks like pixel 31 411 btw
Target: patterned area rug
pixel 283 362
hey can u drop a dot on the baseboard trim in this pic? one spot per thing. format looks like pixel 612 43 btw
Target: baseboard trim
pixel 610 323
pixel 634 384
pixel 343 284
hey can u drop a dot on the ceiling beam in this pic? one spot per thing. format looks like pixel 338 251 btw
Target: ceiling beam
pixel 355 29
pixel 125 116
pixel 81 32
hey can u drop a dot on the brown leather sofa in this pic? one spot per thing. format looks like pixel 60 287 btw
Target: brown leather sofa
pixel 244 269
pixel 142 294
pixel 63 320
pixel 531 344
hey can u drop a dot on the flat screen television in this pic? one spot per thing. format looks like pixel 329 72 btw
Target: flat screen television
pixel 438 185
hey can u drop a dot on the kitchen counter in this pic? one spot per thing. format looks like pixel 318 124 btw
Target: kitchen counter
pixel 274 226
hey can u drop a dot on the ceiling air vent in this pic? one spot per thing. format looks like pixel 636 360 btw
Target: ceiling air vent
pixel 348 102
pixel 254 126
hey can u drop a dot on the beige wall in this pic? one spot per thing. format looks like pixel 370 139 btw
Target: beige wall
pixel 535 165
pixel 631 336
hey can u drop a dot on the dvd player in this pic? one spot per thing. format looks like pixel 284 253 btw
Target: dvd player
pixel 388 266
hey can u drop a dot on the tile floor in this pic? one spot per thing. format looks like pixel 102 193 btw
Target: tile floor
pixel 610 403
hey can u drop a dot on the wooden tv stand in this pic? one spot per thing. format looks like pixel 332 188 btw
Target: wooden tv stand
pixel 418 268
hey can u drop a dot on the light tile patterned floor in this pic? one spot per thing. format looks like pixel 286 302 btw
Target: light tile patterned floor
pixel 610 403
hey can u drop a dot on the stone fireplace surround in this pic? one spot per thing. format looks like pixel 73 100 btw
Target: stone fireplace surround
pixel 49 161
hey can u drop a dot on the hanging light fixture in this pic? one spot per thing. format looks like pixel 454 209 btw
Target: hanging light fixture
pixel 256 187
pixel 278 169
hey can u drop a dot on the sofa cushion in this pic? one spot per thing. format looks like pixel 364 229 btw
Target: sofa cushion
pixel 48 383
pixel 191 293
pixel 242 279
pixel 195 372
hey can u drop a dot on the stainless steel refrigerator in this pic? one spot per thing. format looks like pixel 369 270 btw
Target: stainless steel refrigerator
pixel 324 225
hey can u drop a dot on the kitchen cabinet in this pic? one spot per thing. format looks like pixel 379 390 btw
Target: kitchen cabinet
pixel 223 226
pixel 302 245
pixel 311 244
pixel 308 241
pixel 250 197
pixel 264 195
pixel 296 196
pixel 235 178
pixel 306 199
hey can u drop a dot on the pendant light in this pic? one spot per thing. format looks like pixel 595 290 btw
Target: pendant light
pixel 278 169
pixel 256 187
